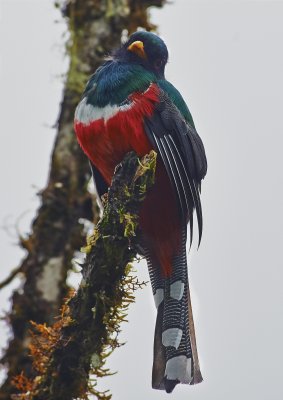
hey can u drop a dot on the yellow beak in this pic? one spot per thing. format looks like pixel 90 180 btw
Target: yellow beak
pixel 137 48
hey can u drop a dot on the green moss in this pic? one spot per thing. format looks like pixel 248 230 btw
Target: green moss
pixel 130 221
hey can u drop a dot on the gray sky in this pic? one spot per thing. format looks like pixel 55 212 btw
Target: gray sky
pixel 226 58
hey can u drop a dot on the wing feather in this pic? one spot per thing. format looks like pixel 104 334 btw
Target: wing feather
pixel 170 169
pixel 183 155
pixel 178 169
pixel 194 192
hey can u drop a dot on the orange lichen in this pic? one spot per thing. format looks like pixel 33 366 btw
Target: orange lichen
pixel 22 383
pixel 43 341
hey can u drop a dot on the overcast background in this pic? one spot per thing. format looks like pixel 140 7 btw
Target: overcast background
pixel 226 58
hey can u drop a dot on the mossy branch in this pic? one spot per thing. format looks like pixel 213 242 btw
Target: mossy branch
pixel 87 332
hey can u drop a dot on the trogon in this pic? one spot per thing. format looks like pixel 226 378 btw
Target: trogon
pixel 128 105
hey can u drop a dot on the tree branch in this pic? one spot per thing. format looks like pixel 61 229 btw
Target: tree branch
pixel 80 341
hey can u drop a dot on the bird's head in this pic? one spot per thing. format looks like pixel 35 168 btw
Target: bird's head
pixel 144 48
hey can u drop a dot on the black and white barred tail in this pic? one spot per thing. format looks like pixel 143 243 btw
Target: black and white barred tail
pixel 175 352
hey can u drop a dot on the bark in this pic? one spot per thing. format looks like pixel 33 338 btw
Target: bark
pixel 95 29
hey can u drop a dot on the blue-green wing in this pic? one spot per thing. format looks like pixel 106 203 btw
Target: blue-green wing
pixel 177 99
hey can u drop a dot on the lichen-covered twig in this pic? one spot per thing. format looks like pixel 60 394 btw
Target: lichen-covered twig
pixel 87 331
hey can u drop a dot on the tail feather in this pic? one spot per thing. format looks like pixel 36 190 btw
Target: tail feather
pixel 159 354
pixel 175 352
pixel 197 376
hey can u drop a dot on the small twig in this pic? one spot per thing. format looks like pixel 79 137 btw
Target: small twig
pixel 10 277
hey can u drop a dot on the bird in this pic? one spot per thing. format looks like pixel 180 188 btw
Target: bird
pixel 128 105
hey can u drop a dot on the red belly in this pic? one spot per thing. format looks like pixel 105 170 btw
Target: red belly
pixel 106 144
